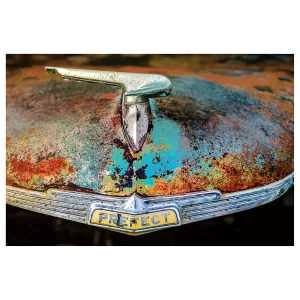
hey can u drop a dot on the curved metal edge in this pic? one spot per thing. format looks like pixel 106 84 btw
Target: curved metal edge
pixel 238 201
pixel 271 185
pixel 191 207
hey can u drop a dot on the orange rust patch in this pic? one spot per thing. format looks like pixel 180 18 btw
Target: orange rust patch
pixel 282 152
pixel 116 120
pixel 23 172
pixel 109 96
pixel 163 146
pixel 9 181
pixel 182 183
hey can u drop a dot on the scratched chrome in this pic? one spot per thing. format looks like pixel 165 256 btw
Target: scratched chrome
pixel 138 88
pixel 189 208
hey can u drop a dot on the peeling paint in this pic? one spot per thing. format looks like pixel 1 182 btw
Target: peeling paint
pixel 221 128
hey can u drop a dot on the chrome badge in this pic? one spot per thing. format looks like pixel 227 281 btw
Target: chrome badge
pixel 135 223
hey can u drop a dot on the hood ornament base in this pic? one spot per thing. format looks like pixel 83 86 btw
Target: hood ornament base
pixel 135 119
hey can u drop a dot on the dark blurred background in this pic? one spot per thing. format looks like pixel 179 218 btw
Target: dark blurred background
pixel 149 60
pixel 270 224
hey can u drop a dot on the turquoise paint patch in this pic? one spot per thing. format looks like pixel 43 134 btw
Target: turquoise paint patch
pixel 168 153
pixel 147 182
pixel 200 164
pixel 260 160
pixel 167 156
pixel 119 161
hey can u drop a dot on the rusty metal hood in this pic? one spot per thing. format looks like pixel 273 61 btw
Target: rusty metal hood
pixel 222 127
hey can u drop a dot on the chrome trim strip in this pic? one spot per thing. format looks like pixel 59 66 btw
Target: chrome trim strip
pixel 192 207
pixel 238 201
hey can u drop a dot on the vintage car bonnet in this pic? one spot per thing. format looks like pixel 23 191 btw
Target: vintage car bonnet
pixel 221 129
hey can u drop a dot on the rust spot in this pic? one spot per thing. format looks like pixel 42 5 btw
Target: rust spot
pixel 31 130
pixel 109 96
pixel 9 181
pixel 73 187
pixel 116 120
pixel 51 167
pixel 29 174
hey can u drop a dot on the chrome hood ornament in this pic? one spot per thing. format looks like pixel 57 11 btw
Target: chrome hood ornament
pixel 137 89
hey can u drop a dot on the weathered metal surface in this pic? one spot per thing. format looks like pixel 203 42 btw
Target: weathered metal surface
pixel 225 126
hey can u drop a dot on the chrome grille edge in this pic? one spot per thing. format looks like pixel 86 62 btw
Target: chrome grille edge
pixel 192 207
